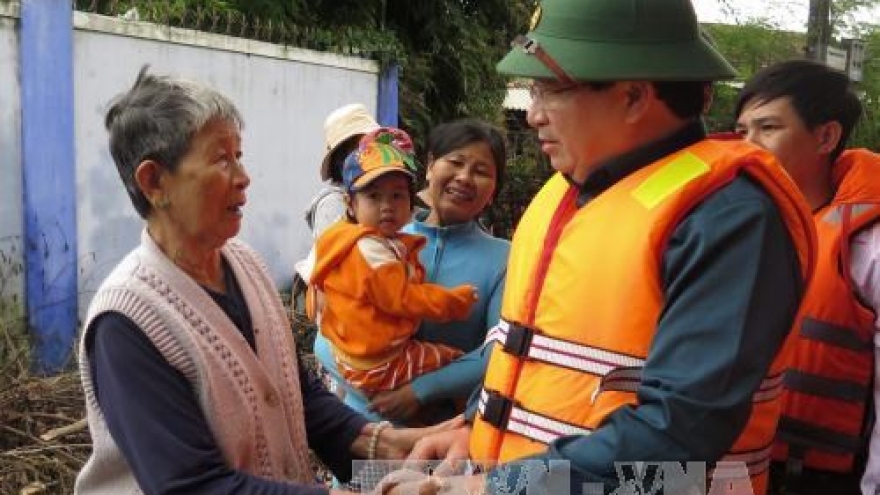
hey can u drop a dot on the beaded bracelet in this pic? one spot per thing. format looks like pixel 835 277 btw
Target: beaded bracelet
pixel 374 439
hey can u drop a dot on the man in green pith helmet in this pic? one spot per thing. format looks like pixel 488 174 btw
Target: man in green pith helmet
pixel 652 281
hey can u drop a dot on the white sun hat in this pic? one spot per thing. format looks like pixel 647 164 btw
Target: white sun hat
pixel 341 125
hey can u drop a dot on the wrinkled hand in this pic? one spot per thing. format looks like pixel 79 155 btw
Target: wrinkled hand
pixel 400 441
pixel 450 445
pixel 343 492
pixel 399 405
pixel 409 482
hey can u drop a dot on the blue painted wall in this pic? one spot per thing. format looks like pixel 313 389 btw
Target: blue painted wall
pixel 48 181
pixel 387 100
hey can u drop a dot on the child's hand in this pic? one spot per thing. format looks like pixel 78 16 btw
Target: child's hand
pixel 465 297
pixel 475 294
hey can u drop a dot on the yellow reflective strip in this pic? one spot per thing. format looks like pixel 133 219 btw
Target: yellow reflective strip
pixel 670 178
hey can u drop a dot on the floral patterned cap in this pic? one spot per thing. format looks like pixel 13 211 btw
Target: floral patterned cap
pixel 380 152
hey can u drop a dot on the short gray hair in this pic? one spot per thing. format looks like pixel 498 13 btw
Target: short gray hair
pixel 156 120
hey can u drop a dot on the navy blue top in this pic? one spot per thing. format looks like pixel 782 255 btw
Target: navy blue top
pixel 154 416
pixel 732 286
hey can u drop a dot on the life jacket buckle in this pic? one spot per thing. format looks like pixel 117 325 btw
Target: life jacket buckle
pixel 519 340
pixel 497 410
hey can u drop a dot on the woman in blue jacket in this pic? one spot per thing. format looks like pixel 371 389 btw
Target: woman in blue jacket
pixel 466 161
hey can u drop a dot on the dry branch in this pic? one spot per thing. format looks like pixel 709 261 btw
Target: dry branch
pixel 64 430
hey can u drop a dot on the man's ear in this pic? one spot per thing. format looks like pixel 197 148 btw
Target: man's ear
pixel 828 135
pixel 637 95
pixel 148 176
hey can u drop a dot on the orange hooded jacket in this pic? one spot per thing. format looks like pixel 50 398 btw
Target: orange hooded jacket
pixel 374 295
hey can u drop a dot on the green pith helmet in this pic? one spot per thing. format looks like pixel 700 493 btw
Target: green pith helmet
pixel 617 40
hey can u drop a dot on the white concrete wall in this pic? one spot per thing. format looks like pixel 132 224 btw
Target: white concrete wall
pixel 283 93
pixel 11 216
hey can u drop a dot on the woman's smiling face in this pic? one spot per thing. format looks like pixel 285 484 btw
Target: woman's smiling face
pixel 461 184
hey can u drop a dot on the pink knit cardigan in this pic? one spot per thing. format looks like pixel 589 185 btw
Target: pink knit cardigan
pixel 252 401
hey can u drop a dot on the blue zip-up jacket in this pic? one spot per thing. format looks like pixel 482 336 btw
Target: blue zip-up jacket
pixel 454 255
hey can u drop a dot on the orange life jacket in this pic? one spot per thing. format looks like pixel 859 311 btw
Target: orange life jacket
pixel 584 294
pixel 826 391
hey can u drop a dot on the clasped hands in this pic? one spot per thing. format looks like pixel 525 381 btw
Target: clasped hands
pixel 450 447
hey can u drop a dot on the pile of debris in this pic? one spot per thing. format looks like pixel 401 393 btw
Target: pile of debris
pixel 44 439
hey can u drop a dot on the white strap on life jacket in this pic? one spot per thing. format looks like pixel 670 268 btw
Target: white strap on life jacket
pixel 619 372
pixel 544 429
pixel 533 425
pixel 568 354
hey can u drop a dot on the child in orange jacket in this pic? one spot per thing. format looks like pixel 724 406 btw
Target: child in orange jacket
pixel 369 276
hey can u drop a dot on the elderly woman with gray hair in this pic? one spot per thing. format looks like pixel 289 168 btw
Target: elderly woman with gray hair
pixel 191 379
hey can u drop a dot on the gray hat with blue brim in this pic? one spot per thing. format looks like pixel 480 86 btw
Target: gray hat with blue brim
pixel 616 40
